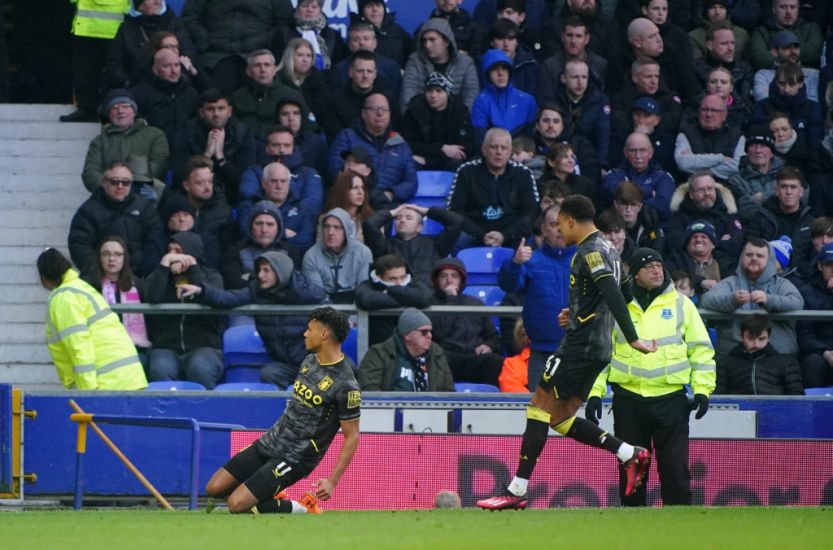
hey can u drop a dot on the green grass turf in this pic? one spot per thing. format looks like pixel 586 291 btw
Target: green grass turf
pixel 700 528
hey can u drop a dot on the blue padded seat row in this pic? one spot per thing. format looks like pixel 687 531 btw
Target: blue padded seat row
pixel 174 385
pixel 483 263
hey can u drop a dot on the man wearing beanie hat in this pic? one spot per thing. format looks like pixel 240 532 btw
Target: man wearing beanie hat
pixel 700 258
pixel 437 126
pixel 266 232
pixel 649 391
pixel 275 282
pixel 185 347
pixel 471 342
pixel 390 286
pixel 757 172
pixel 123 137
pixel 408 361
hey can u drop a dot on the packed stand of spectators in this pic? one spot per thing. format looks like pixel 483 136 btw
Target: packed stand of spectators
pixel 273 161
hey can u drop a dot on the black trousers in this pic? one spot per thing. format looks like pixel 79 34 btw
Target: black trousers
pixel 476 369
pixel 663 422
pixel 815 373
pixel 87 70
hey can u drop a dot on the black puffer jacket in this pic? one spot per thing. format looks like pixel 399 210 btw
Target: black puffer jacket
pixel 815 336
pixel 762 373
pixel 770 223
pixel 427 130
pixel 135 220
pixel 167 105
pixel 373 295
pixel 126 59
pixel 182 333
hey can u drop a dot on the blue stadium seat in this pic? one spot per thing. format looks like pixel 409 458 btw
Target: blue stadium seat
pixel 175 5
pixel 350 346
pixel 465 387
pixel 174 385
pixel 434 183
pixel 431 227
pixel 826 390
pixel 489 295
pixel 482 263
pixel 246 386
pixel 429 202
pixel 242 347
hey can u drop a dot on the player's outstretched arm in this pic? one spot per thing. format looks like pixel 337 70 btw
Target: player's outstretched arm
pixel 324 487
pixel 612 295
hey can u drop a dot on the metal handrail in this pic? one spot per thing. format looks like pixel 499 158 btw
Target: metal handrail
pixel 362 316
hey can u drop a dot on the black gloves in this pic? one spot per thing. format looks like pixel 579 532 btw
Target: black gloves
pixel 701 404
pixel 593 409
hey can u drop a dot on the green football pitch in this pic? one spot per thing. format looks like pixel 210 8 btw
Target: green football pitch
pixel 700 528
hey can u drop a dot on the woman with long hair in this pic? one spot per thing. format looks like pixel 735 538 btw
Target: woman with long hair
pixel 111 275
pixel 298 71
pixel 351 193
pixel 561 166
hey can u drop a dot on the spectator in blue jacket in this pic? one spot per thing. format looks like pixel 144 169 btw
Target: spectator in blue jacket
pixel 788 95
pixel 276 282
pixel 500 104
pixel 393 160
pixel 307 189
pixel 543 276
pixel 504 35
pixel 656 184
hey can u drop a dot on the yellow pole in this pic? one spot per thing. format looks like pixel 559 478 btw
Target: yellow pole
pixel 83 420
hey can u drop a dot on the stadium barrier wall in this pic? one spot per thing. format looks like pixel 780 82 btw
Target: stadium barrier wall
pixel 163 456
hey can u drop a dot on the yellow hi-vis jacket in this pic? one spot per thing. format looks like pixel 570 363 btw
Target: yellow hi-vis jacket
pixel 684 355
pixel 98 18
pixel 89 346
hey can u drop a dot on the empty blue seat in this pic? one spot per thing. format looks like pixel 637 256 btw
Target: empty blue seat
pixel 489 295
pixel 434 183
pixel 242 346
pixel 826 390
pixel 174 385
pixel 246 386
pixel 483 263
pixel 175 5
pixel 429 202
pixel 465 387
pixel 350 346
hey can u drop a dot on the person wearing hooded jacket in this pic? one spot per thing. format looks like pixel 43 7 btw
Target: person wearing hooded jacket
pixel 756 286
pixel 394 42
pixel 266 231
pixel 649 390
pixel 500 104
pixel 390 286
pixel 338 262
pixel 185 347
pixel 443 57
pixel 276 282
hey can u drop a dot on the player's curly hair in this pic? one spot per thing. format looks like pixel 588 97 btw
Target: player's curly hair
pixel 334 320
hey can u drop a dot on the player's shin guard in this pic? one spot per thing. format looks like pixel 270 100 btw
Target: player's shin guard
pixel 586 432
pixel 535 437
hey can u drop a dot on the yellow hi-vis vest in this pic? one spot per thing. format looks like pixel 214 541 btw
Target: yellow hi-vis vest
pixel 684 355
pixel 89 346
pixel 98 18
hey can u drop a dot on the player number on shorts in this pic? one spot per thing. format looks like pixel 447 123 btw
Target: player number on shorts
pixel 551 367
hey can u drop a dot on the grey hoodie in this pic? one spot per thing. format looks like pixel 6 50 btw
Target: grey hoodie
pixel 781 296
pixel 339 273
pixel 461 68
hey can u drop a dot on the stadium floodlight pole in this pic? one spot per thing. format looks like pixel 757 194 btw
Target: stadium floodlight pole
pixel 83 419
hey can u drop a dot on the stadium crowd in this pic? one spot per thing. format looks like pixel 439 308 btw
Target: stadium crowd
pixel 251 155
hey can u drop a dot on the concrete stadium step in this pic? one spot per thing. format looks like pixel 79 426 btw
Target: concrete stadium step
pixel 11 354
pixel 33 180
pixel 41 374
pixel 36 201
pixel 23 333
pixel 23 313
pixel 50 131
pixel 18 274
pixel 27 255
pixel 22 294
pixel 34 112
pixel 20 219
pixel 39 148
pixel 50 165
pixel 40 236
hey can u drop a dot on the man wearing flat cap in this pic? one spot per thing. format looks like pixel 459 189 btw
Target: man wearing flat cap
pixel 649 393
pixel 408 360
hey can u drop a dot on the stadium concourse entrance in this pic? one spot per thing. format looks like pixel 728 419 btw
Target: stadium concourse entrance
pixel 755 451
